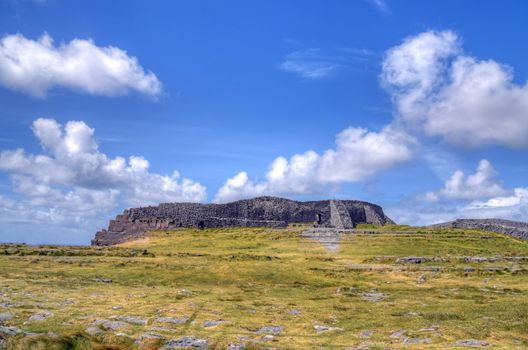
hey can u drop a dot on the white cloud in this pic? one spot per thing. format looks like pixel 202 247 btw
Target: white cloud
pixel 359 154
pixel 482 184
pixel 380 5
pixel 513 206
pixel 37 66
pixel 479 195
pixel 517 198
pixel 316 63
pixel 467 102
pixel 73 180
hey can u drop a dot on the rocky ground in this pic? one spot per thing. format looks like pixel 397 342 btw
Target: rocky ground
pixel 397 288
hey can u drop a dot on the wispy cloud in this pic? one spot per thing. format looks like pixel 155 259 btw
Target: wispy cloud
pixel 380 5
pixel 317 63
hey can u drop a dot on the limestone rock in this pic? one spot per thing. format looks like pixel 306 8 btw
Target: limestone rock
pixel 6 316
pixel 173 320
pixel 270 329
pixel 132 320
pixel 515 229
pixel 93 331
pixel 41 316
pixel 10 330
pixel 471 343
pixel 212 323
pixel 113 325
pixel 321 329
pixel 186 343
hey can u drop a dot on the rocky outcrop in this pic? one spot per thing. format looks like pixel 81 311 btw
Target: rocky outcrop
pixel 515 229
pixel 258 212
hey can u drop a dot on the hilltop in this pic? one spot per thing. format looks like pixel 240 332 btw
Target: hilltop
pixel 257 212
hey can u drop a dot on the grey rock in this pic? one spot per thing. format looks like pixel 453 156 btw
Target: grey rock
pixel 267 338
pixel 9 304
pixel 413 260
pixel 320 329
pixel 245 338
pixel 186 342
pixel 95 322
pixel 103 280
pixel 515 229
pixel 124 335
pixel 408 341
pixel 237 346
pixel 398 334
pixel 93 331
pixel 212 323
pixel 6 316
pixel 374 296
pixel 294 312
pixel 150 335
pixel 257 212
pixel 173 320
pixel 270 329
pixel 132 320
pixel 366 334
pixel 42 315
pixel 10 330
pixel 113 325
pixel 471 343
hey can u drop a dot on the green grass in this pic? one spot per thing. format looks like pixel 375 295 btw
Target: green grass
pixel 253 277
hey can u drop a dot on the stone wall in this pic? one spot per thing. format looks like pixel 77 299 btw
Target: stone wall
pixel 258 212
pixel 515 229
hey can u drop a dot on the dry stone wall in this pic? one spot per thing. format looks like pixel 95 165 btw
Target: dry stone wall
pixel 258 212
pixel 516 229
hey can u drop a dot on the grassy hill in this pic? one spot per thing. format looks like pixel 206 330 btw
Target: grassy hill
pixel 270 288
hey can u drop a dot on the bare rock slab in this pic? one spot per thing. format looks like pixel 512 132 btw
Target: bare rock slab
pixel 212 323
pixel 473 343
pixel 270 329
pixel 132 320
pixel 186 343
pixel 173 320
pixel 113 325
pixel 6 316
pixel 40 316
pixel 10 331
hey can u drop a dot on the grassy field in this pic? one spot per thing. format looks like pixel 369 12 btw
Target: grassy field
pixel 180 283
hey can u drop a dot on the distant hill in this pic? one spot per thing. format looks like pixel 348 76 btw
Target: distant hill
pixel 513 228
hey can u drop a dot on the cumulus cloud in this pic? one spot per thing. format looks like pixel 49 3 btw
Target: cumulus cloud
pixel 513 205
pixel 479 195
pixel 482 184
pixel 37 66
pixel 73 179
pixel 359 154
pixel 467 102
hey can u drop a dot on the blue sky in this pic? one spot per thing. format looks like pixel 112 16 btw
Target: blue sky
pixel 421 107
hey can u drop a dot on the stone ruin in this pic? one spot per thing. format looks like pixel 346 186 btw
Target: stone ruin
pixel 515 229
pixel 257 212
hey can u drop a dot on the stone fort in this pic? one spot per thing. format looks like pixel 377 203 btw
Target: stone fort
pixel 257 212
